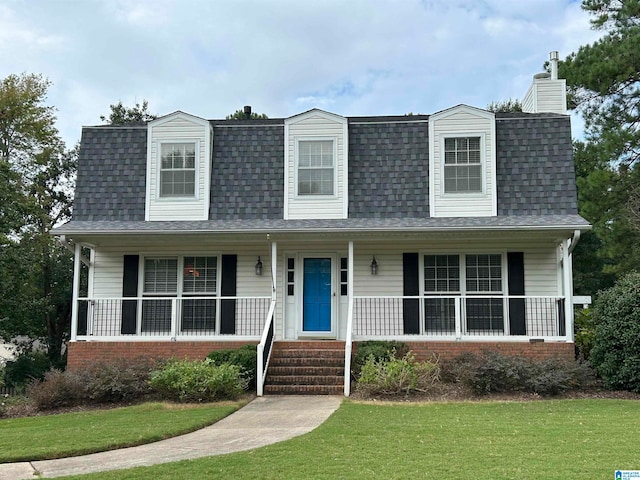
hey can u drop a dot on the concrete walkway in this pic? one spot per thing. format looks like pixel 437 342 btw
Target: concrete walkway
pixel 264 421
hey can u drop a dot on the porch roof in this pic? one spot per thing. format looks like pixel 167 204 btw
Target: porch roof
pixel 361 225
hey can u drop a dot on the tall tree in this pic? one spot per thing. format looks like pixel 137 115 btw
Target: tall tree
pixel 121 115
pixel 603 80
pixel 34 270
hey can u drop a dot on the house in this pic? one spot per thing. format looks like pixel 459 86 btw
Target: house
pixel 452 232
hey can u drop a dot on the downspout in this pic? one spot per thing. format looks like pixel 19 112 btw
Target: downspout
pixel 574 240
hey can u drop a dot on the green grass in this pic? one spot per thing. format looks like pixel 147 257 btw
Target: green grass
pixel 563 439
pixel 64 435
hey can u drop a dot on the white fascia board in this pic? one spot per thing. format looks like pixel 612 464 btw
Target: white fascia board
pixel 177 114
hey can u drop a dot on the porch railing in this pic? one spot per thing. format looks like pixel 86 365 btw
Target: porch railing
pixel 264 349
pixel 171 318
pixel 458 317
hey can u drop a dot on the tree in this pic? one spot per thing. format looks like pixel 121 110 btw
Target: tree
pixel 240 115
pixel 511 105
pixel 603 82
pixel 121 115
pixel 35 272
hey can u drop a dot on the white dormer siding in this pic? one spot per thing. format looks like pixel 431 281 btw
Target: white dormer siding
pixel 463 185
pixel 316 165
pixel 179 188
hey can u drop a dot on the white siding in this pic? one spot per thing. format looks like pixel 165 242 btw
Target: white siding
pixel 316 124
pixel 177 128
pixel 464 122
pixel 546 96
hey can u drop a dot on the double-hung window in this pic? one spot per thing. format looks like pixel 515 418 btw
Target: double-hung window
pixel 160 280
pixel 197 281
pixel 316 167
pixel 484 277
pixel 441 278
pixel 177 169
pixel 462 165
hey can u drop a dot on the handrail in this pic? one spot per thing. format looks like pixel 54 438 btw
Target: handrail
pixel 265 341
pixel 348 346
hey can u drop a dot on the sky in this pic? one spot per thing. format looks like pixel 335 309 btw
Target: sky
pixel 283 57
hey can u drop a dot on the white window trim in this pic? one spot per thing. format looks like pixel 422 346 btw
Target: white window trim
pixel 483 165
pixel 315 197
pixel 197 165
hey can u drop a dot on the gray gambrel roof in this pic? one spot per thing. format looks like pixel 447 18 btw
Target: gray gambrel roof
pixel 388 177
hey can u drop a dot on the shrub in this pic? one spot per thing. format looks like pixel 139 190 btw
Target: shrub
pixel 616 347
pixel 57 389
pixel 245 357
pixel 493 372
pixel 196 381
pixel 122 380
pixel 380 350
pixel 394 376
pixel 99 383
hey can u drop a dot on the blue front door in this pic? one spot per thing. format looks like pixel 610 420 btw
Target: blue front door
pixel 316 310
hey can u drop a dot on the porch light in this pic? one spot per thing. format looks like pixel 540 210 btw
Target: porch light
pixel 374 266
pixel 259 266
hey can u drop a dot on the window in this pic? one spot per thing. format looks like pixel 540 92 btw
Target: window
pixel 344 276
pixel 462 165
pixel 315 167
pixel 178 169
pixel 441 277
pixel 161 279
pixel 484 276
pixel 199 279
pixel 291 270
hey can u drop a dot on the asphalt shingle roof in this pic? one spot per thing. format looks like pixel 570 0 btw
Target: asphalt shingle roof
pixel 388 174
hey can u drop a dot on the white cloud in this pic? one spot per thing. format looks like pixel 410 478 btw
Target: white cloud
pixel 362 57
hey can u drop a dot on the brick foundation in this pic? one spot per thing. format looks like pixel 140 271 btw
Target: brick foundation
pixel 535 350
pixel 82 353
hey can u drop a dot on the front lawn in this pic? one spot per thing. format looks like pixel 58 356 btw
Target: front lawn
pixel 558 439
pixel 64 435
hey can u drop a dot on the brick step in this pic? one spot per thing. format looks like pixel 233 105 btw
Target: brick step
pixel 306 370
pixel 305 353
pixel 310 345
pixel 306 362
pixel 304 389
pixel 303 380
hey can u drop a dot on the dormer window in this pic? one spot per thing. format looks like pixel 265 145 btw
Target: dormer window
pixel 316 167
pixel 462 165
pixel 178 169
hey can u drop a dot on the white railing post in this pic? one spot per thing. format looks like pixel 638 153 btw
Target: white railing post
pixel 348 346
pixel 76 287
pixel 458 312
pixel 174 317
pixel 90 316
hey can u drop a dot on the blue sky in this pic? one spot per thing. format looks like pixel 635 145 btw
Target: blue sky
pixel 355 57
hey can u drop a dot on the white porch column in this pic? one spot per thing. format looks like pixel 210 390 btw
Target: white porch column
pixel 348 342
pixel 75 291
pixel 274 268
pixel 567 277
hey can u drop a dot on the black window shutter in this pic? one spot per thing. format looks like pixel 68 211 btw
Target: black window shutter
pixel 228 289
pixel 129 289
pixel 410 287
pixel 515 272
